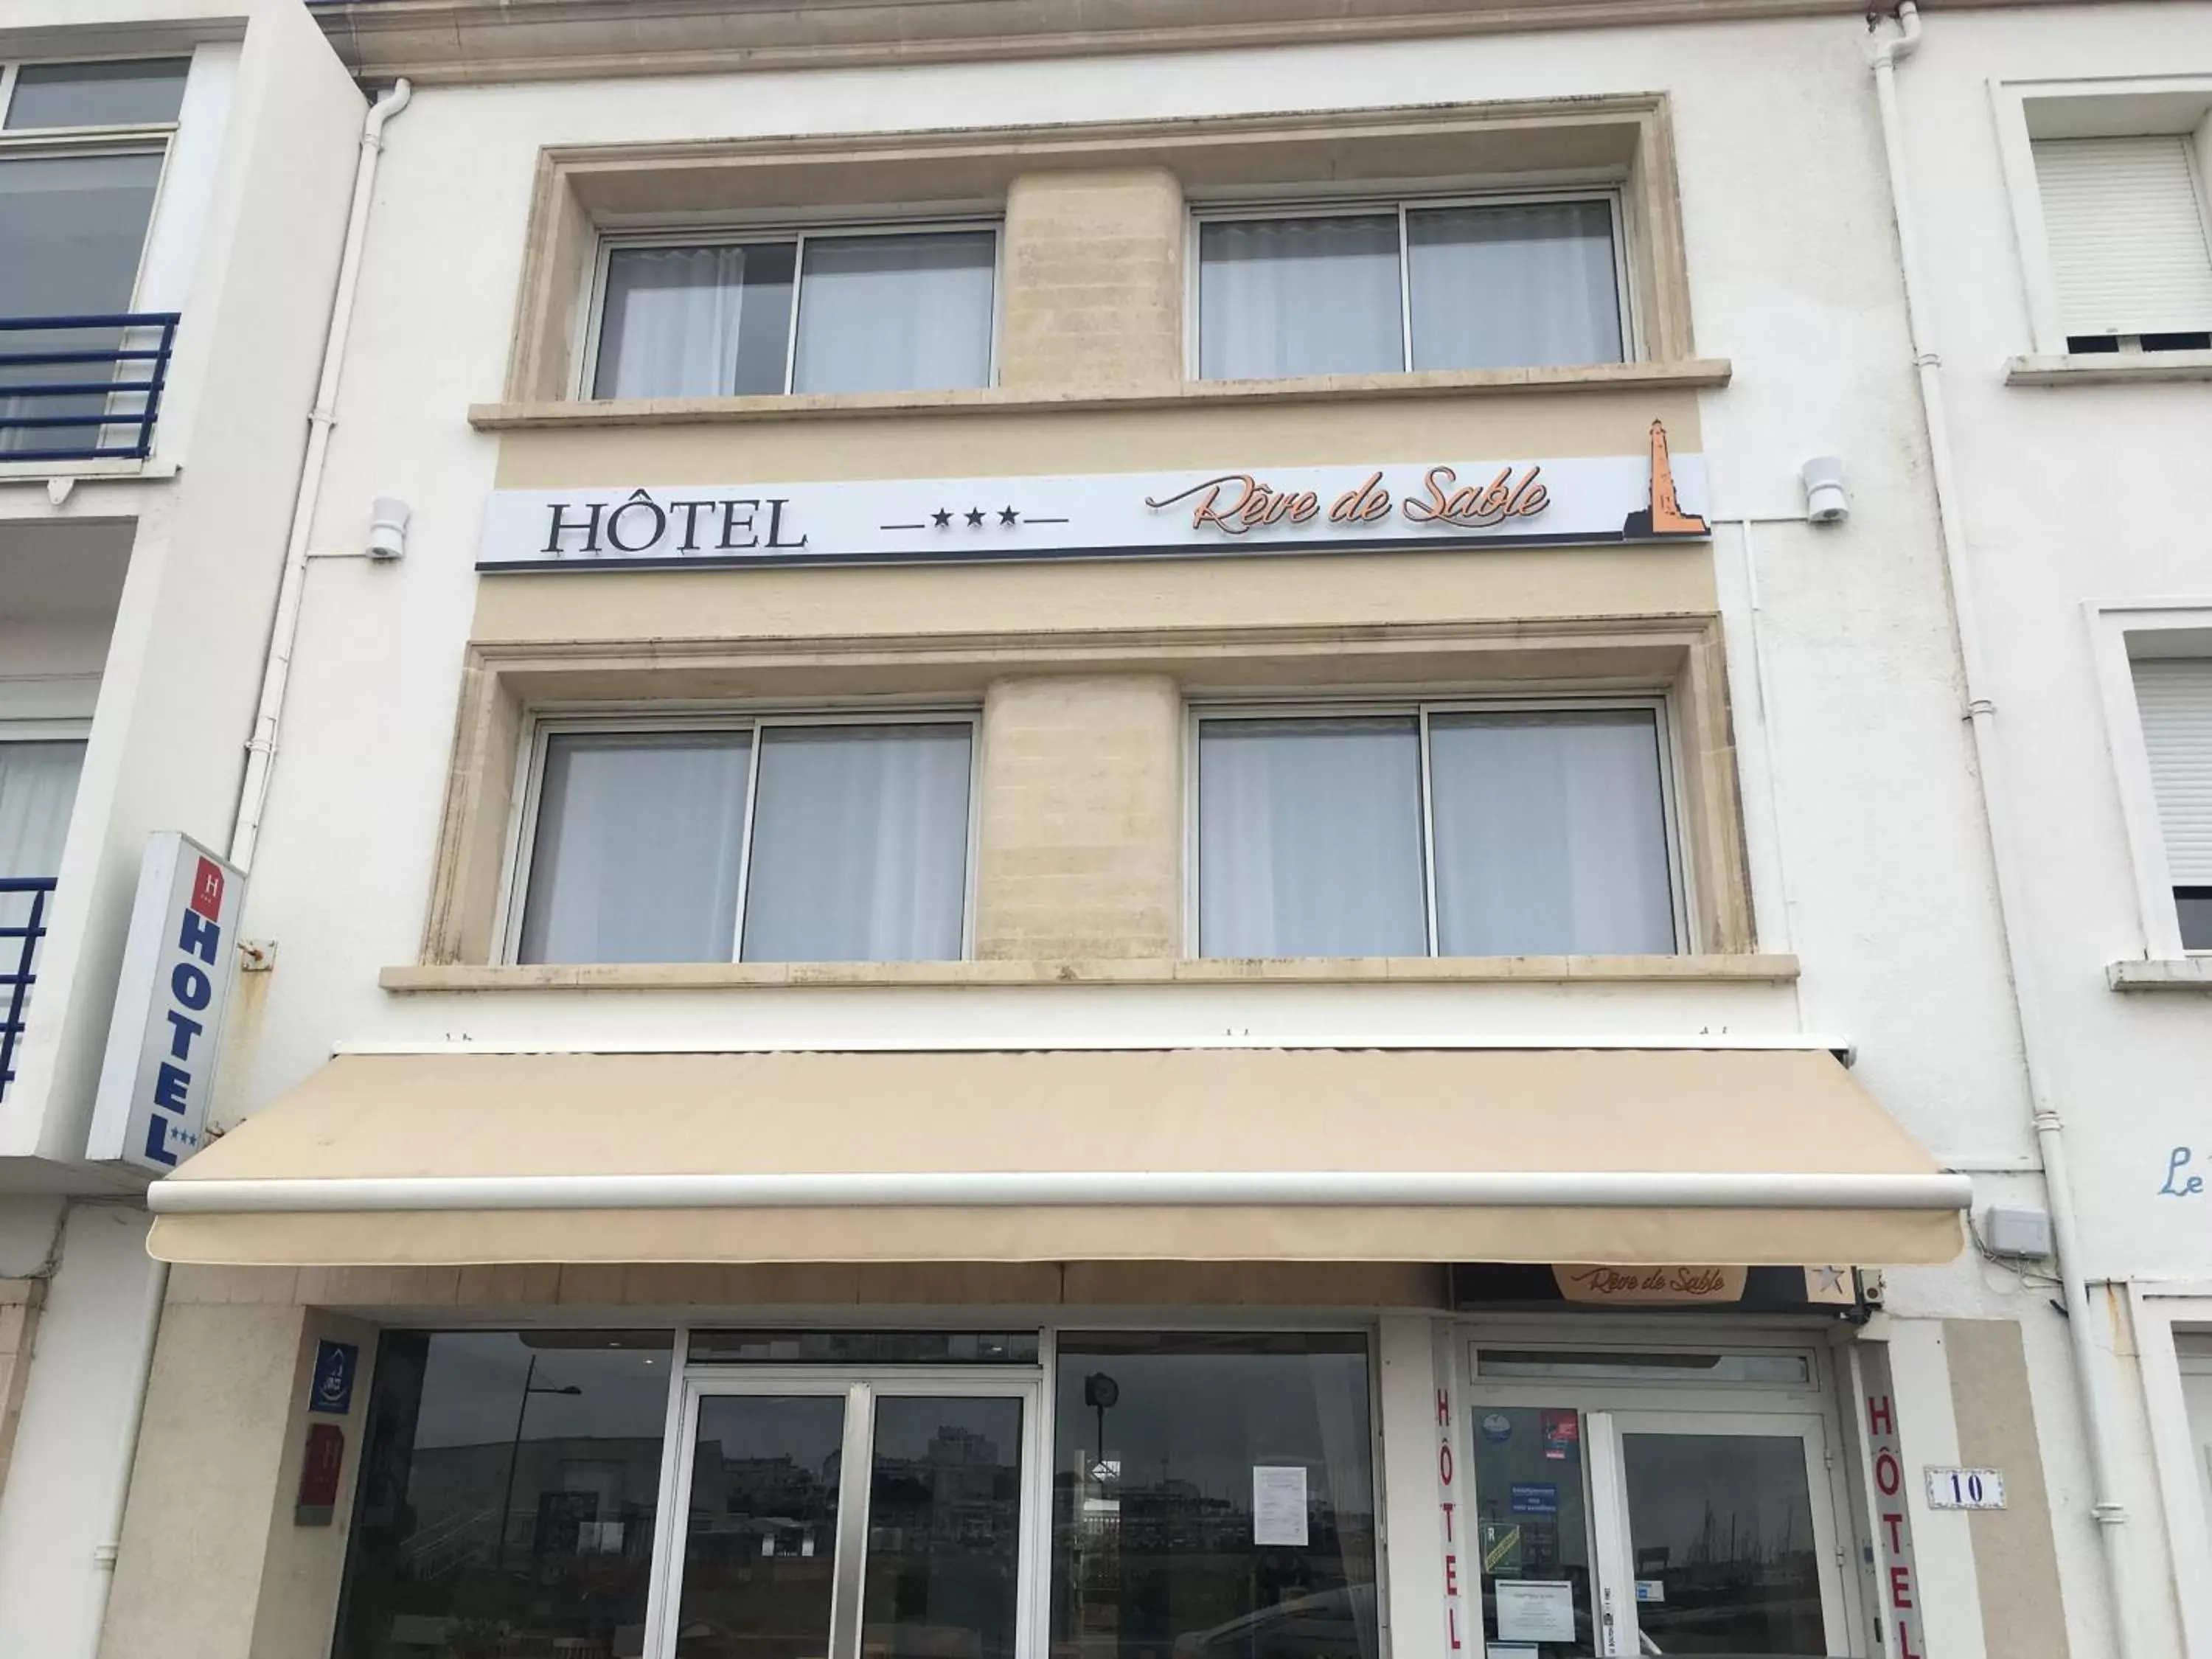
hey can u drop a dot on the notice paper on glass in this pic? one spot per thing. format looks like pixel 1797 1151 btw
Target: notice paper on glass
pixel 1534 1610
pixel 1278 1504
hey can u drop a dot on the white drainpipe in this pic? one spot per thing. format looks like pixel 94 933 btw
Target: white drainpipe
pixel 253 788
pixel 2092 1373
pixel 285 626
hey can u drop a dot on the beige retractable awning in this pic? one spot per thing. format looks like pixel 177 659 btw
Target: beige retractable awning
pixel 1629 1157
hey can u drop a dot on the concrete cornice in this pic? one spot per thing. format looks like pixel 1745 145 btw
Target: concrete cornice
pixel 1695 373
pixel 451 41
pixel 111 38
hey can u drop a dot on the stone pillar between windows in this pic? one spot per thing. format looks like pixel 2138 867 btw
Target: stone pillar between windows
pixel 214 1565
pixel 19 1301
pixel 2016 1555
pixel 1093 286
pixel 1079 848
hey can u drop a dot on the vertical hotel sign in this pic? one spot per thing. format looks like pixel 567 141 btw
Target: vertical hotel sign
pixel 1451 1520
pixel 1897 1592
pixel 158 1078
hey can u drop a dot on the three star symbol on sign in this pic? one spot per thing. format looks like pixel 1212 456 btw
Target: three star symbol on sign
pixel 975 515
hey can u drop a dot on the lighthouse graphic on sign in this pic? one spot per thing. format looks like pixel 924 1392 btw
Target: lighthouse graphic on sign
pixel 1664 516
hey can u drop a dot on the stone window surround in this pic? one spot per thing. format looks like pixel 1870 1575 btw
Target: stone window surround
pixel 504 684
pixel 1624 141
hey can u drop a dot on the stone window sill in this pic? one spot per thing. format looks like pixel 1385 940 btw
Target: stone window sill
pixel 2109 368
pixel 1306 971
pixel 42 472
pixel 1690 373
pixel 2161 974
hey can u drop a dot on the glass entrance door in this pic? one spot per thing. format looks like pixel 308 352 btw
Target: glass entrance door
pixel 845 1518
pixel 1603 1528
pixel 1729 1532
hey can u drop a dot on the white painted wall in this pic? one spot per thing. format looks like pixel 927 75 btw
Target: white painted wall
pixel 167 657
pixel 71 1434
pixel 2071 495
pixel 261 177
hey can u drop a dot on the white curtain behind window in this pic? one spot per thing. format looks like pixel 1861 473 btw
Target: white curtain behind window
pixel 1550 835
pixel 859 845
pixel 896 314
pixel 1279 297
pixel 639 838
pixel 1520 286
pixel 1309 838
pixel 37 787
pixel 695 322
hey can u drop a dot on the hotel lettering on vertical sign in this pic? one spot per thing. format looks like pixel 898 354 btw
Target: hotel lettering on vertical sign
pixel 158 1078
pixel 1450 1515
pixel 1897 1590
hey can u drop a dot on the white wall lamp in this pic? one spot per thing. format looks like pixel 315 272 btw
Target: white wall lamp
pixel 387 528
pixel 1827 501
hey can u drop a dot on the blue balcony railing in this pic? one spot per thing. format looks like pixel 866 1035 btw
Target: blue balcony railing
pixel 23 925
pixel 82 388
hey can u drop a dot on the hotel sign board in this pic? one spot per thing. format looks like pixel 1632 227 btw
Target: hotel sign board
pixel 179 957
pixel 1573 499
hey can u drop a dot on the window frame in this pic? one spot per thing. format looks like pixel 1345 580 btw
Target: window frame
pixel 143 139
pixel 1680 870
pixel 610 241
pixel 2111 626
pixel 861 1387
pixel 154 138
pixel 2136 106
pixel 541 726
pixel 1370 206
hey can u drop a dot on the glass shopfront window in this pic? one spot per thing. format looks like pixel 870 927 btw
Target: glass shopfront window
pixel 1213 1498
pixel 507 1496
pixel 1009 1493
pixel 858 1494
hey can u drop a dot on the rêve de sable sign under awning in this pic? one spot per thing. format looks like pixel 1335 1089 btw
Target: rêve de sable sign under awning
pixel 1620 1156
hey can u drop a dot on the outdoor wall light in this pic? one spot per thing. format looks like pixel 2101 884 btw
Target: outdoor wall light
pixel 1826 498
pixel 387 527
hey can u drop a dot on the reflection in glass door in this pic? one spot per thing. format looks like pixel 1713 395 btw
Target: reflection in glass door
pixel 760 1541
pixel 837 1519
pixel 945 1520
pixel 1730 1534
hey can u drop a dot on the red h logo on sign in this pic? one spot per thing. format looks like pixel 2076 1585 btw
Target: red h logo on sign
pixel 207 889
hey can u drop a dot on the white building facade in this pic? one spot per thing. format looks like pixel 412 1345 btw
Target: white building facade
pixel 1112 859
pixel 172 201
pixel 2059 176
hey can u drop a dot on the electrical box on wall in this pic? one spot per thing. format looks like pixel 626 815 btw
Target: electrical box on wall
pixel 2009 1229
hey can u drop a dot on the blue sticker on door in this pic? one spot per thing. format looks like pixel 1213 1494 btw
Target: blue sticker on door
pixel 332 1391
